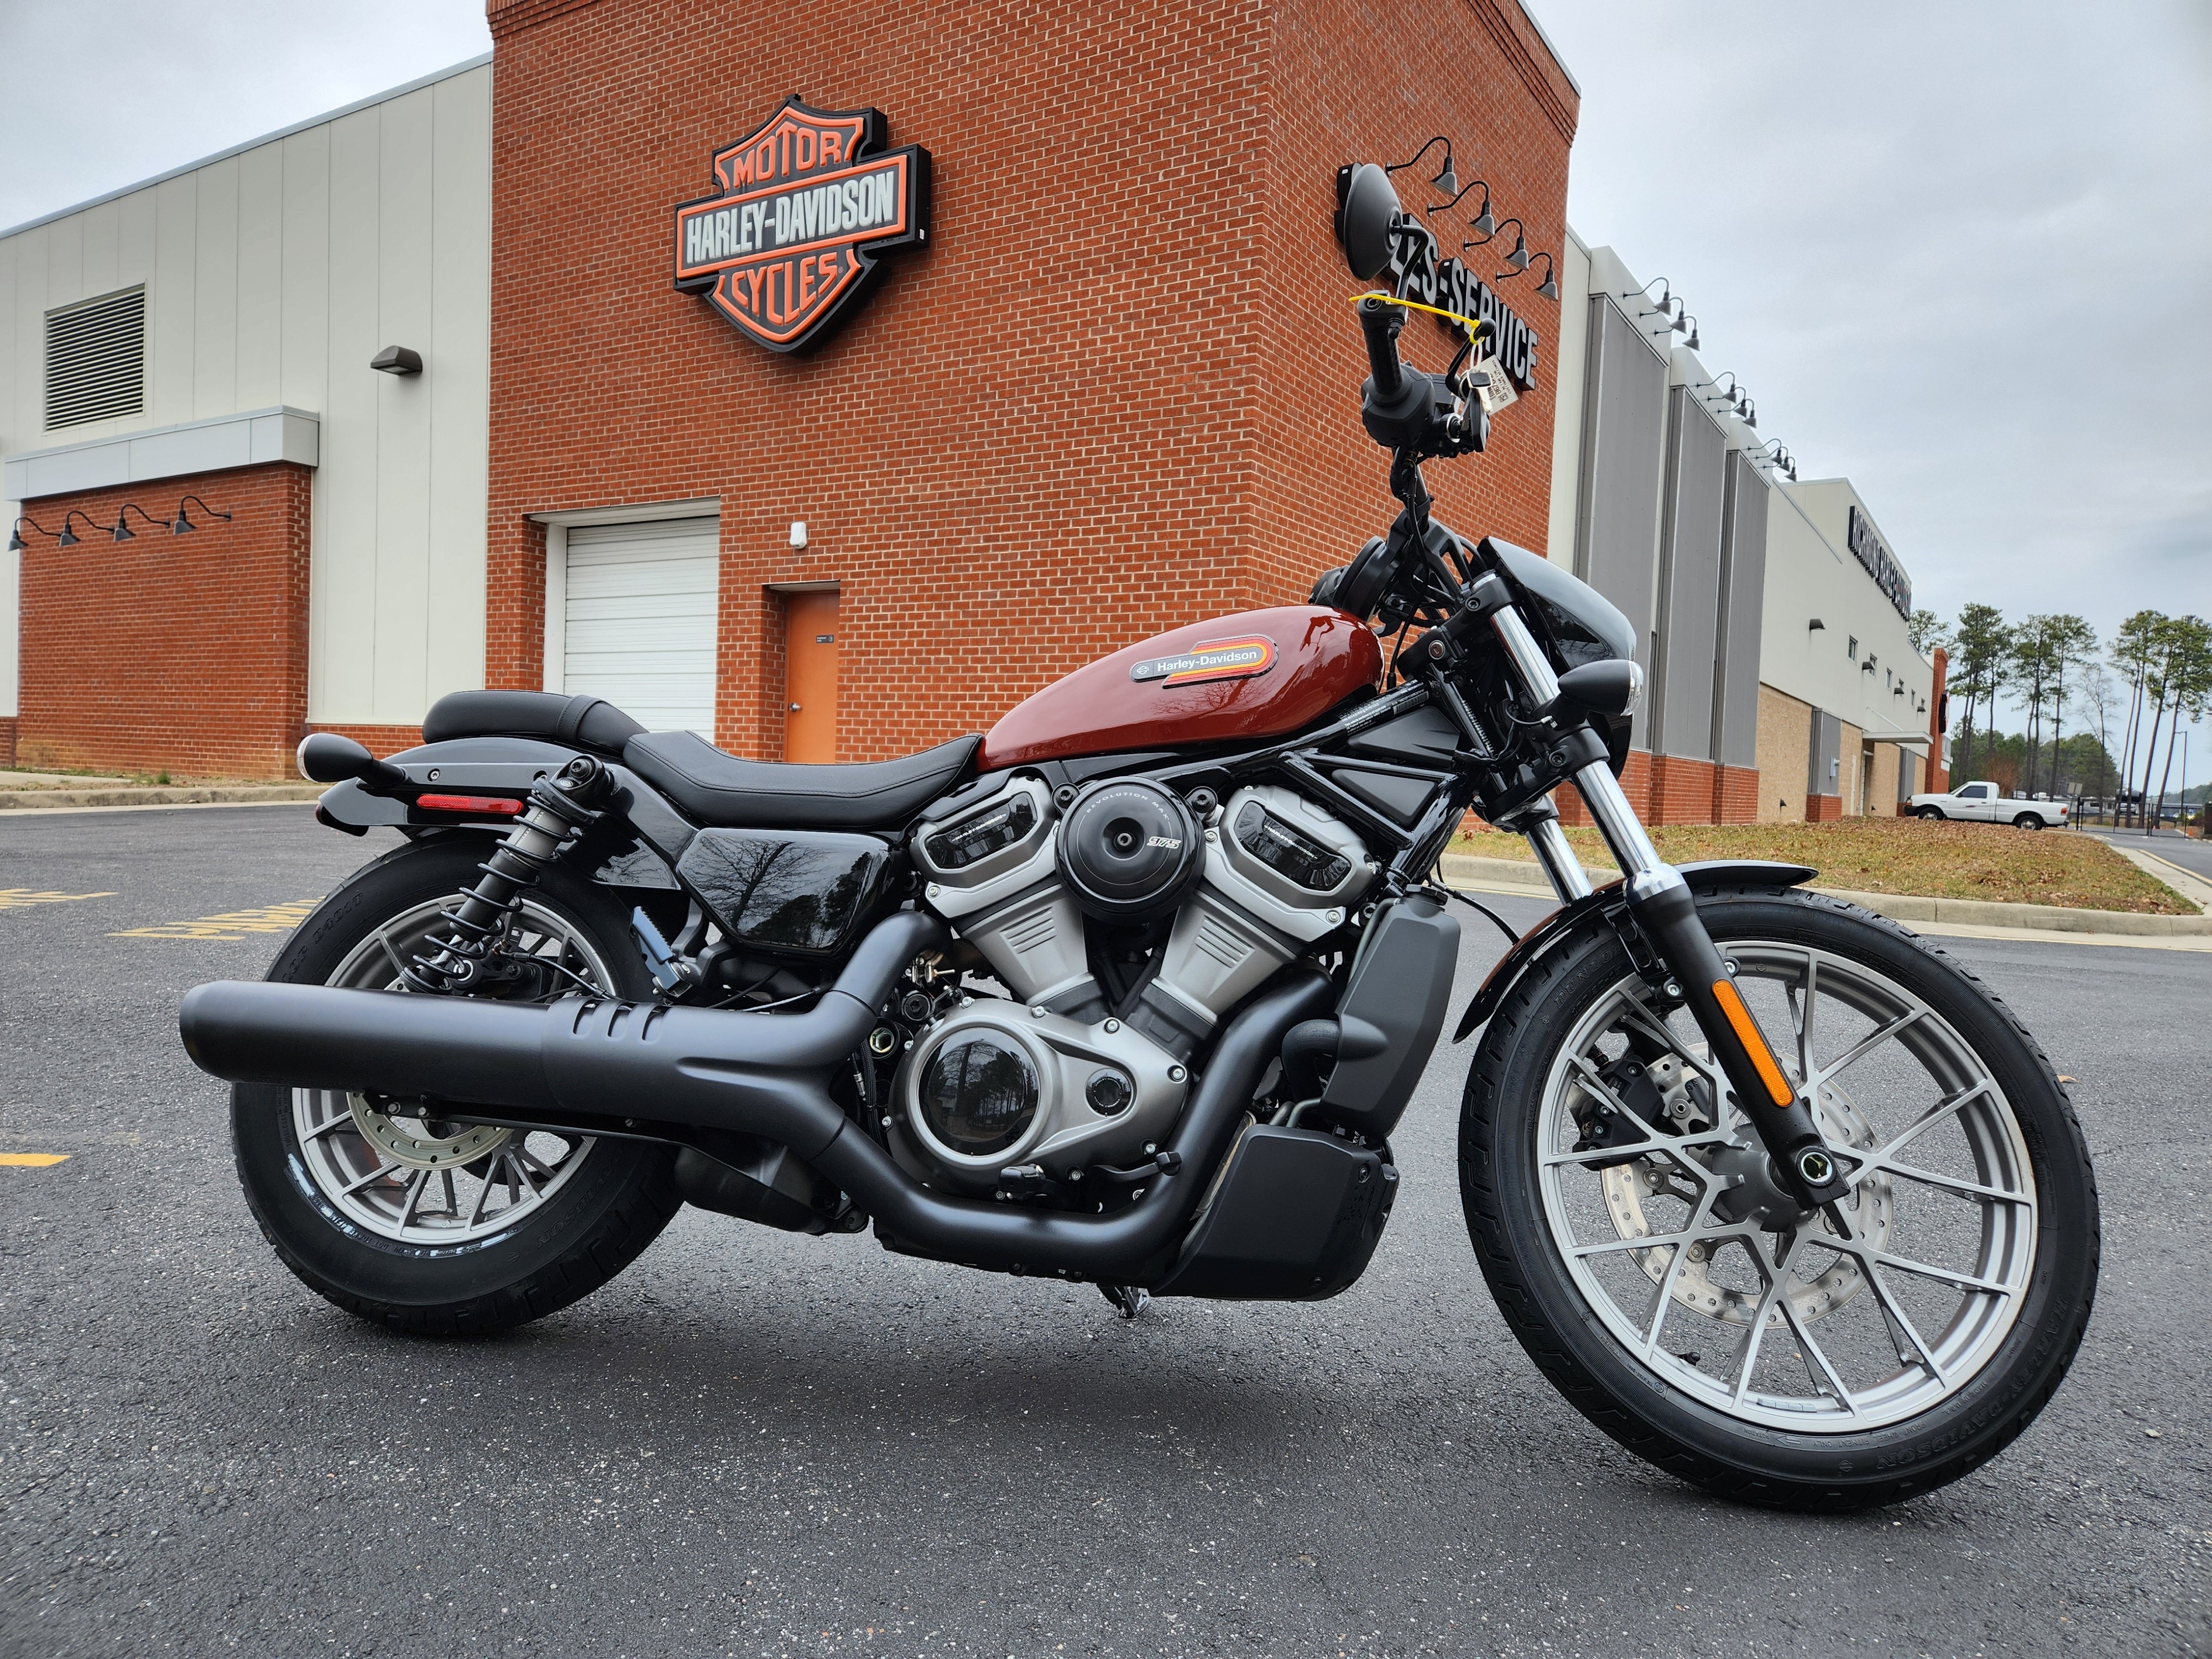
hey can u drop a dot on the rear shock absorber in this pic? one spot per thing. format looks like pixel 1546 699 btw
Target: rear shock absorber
pixel 466 955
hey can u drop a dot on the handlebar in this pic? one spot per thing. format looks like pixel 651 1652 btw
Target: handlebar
pixel 1381 321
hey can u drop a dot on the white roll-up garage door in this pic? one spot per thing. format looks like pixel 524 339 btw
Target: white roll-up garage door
pixel 639 628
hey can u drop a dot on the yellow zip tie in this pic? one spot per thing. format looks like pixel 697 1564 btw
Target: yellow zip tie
pixel 1473 326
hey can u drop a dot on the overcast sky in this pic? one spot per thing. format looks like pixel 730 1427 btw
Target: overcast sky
pixel 1959 252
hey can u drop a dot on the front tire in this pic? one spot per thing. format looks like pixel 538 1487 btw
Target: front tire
pixel 1875 1350
pixel 1932 814
pixel 427 1226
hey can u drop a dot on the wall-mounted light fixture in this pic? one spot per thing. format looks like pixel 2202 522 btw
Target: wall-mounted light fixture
pixel 184 523
pixel 122 532
pixel 15 541
pixel 1482 224
pixel 397 360
pixel 1690 344
pixel 1549 288
pixel 1815 626
pixel 1729 396
pixel 1518 259
pixel 1447 180
pixel 69 537
pixel 799 535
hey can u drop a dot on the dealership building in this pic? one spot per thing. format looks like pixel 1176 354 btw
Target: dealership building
pixel 826 384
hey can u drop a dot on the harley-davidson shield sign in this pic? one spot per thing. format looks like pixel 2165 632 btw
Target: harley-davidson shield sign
pixel 786 245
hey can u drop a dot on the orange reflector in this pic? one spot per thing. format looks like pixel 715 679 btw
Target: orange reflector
pixel 1754 1043
pixel 469 804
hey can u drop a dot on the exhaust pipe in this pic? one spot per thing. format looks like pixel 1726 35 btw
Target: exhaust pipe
pixel 582 1060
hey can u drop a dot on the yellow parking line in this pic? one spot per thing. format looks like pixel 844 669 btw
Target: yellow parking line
pixel 15 898
pixel 230 924
pixel 33 1160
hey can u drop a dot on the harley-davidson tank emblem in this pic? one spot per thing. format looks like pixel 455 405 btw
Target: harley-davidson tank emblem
pixel 1211 660
pixel 787 244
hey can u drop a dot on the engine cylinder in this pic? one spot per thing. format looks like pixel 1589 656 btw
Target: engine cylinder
pixel 1129 850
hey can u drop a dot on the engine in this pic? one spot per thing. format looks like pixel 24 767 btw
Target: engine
pixel 1129 921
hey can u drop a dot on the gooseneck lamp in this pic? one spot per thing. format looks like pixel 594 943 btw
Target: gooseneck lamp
pixel 15 541
pixel 1447 180
pixel 69 537
pixel 1482 224
pixel 1549 288
pixel 184 522
pixel 123 532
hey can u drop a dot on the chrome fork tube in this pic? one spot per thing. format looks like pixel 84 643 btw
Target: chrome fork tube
pixel 1639 862
pixel 1561 866
pixel 1647 872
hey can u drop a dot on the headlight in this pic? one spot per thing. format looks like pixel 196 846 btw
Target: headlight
pixel 1635 688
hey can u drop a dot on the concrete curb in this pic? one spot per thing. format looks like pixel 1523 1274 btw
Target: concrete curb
pixel 2187 882
pixel 31 800
pixel 1518 875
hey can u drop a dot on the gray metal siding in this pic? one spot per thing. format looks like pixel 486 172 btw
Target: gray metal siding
pixel 1743 600
pixel 1624 456
pixel 1689 580
pixel 1823 772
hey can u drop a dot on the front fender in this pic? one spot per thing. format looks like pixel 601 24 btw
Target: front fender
pixel 1603 908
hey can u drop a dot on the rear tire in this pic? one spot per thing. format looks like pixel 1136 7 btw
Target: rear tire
pixel 2028 820
pixel 388 1252
pixel 1950 1391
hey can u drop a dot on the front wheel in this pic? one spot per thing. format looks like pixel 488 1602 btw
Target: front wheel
pixel 1932 814
pixel 1650 1260
pixel 418 1223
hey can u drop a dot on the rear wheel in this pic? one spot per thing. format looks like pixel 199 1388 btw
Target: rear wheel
pixel 2028 820
pixel 423 1224
pixel 1649 1260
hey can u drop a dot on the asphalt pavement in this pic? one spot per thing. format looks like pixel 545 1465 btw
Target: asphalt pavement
pixel 752 1442
pixel 2191 852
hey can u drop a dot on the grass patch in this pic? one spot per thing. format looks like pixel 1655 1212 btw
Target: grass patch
pixel 1990 861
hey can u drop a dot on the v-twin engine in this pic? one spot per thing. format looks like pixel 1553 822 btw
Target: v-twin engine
pixel 1130 922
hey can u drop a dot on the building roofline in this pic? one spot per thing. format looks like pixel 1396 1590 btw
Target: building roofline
pixel 417 85
pixel 1553 50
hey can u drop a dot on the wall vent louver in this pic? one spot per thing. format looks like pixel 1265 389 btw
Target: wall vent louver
pixel 96 359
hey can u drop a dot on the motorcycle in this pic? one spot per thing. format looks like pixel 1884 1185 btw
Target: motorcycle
pixel 1133 990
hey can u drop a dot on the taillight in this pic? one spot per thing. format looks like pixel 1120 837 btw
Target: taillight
pixel 499 805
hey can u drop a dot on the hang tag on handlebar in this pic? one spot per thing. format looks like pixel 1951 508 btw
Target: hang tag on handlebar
pixel 1499 391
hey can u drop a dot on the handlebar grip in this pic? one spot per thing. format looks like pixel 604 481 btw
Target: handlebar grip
pixel 1381 321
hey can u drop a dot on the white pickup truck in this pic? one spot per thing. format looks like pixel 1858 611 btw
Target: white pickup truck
pixel 1982 802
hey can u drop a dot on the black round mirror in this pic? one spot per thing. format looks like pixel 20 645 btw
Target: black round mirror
pixel 1363 218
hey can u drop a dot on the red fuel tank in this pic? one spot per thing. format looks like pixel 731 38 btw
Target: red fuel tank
pixel 1257 674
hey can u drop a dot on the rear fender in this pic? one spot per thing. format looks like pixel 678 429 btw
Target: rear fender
pixel 1603 909
pixel 504 768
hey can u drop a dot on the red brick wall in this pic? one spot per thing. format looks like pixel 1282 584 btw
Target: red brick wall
pixel 1938 776
pixel 7 740
pixel 1823 809
pixel 1682 790
pixel 1736 794
pixel 1117 393
pixel 378 740
pixel 184 653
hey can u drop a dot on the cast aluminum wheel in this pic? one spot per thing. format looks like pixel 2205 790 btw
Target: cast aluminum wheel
pixel 1872 1310
pixel 423 1181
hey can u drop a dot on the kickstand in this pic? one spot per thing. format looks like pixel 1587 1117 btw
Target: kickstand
pixel 1127 1298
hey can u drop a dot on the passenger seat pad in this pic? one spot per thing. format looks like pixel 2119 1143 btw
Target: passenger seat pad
pixel 726 792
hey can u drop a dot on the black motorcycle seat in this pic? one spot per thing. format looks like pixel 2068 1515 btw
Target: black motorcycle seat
pixel 583 722
pixel 725 792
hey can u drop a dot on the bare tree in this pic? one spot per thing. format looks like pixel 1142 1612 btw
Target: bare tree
pixel 2134 648
pixel 2096 699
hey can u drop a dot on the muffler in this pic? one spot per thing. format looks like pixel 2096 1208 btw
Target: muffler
pixel 597 1066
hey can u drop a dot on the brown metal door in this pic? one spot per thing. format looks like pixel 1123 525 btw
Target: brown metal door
pixel 810 676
